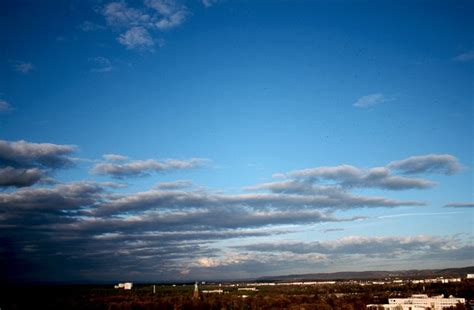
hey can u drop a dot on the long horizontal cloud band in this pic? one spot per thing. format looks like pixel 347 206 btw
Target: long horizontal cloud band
pixel 174 226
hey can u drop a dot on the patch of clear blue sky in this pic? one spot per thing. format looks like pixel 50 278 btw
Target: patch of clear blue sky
pixel 258 87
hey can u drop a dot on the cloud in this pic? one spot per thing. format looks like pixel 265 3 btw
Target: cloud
pixel 180 184
pixel 326 230
pixel 88 26
pixel 114 157
pixel 209 3
pixel 5 106
pixel 118 14
pixel 176 229
pixel 24 163
pixel 432 163
pixel 60 220
pixel 137 168
pixel 369 101
pixel 465 57
pixel 136 38
pixel 459 205
pixel 169 199
pixel 172 20
pixel 142 23
pixel 62 197
pixel 19 177
pixel 22 66
pixel 346 176
pixel 358 245
pixel 289 257
pixel 101 64
pixel 170 14
pixel 350 176
pixel 26 154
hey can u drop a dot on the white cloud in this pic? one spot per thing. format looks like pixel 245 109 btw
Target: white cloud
pixel 465 57
pixel 101 64
pixel 209 3
pixel 22 66
pixel 369 101
pixel 141 24
pixel 171 21
pixel 88 26
pixel 114 157
pixel 5 106
pixel 136 38
pixel 120 15
pixel 163 7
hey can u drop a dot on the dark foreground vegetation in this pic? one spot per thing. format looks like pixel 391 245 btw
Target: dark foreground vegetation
pixel 341 296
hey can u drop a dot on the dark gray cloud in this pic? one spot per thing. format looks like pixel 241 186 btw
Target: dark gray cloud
pixel 432 163
pixel 26 154
pixel 136 168
pixel 61 197
pixel 347 176
pixel 24 163
pixel 357 245
pixel 350 176
pixel 178 228
pixel 459 205
pixel 180 184
pixel 326 230
pixel 84 224
pixel 20 177
pixel 167 199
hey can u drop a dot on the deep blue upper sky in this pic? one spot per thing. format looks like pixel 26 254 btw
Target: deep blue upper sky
pixel 226 94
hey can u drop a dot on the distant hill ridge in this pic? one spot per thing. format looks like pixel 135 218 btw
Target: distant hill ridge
pixel 358 275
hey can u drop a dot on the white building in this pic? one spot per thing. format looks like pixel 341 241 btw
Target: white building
pixel 254 289
pixel 470 276
pixel 419 302
pixel 212 291
pixel 125 286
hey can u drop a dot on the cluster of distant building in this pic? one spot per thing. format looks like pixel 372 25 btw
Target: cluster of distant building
pixel 419 302
pixel 286 283
pixel 414 281
pixel 125 286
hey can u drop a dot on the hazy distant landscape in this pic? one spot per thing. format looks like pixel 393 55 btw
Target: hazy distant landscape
pixel 346 291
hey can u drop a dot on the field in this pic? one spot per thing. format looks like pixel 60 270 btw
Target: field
pixel 343 295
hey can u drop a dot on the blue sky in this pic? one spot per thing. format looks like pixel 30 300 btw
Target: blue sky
pixel 288 137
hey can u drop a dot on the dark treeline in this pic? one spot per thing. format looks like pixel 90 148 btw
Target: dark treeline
pixel 342 296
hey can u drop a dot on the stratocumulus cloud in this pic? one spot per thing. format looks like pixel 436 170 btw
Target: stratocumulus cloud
pixel 136 168
pixel 20 177
pixel 460 205
pixel 432 163
pixel 386 177
pixel 177 224
pixel 24 163
pixel 23 153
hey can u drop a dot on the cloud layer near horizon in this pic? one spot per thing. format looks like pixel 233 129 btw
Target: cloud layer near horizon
pixel 174 227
